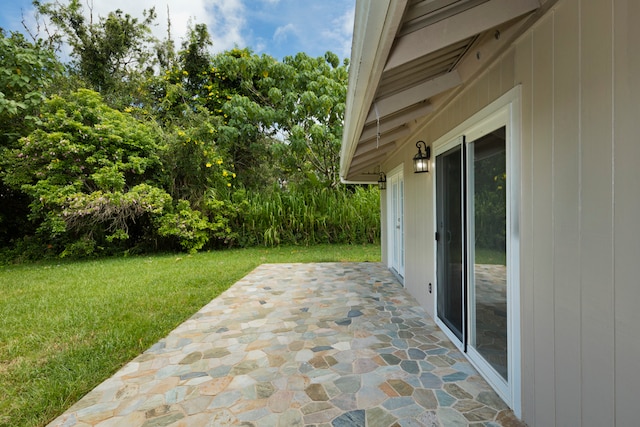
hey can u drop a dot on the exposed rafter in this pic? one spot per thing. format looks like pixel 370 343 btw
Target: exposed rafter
pixel 392 104
pixel 446 32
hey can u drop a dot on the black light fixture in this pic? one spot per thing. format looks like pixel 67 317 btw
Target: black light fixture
pixel 421 160
pixel 382 181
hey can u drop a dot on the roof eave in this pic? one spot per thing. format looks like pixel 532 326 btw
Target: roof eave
pixel 377 23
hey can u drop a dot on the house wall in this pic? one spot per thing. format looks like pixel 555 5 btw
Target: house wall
pixel 579 71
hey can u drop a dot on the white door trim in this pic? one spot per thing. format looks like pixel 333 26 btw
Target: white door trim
pixel 395 213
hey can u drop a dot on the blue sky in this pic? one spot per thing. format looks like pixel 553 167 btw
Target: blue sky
pixel 275 27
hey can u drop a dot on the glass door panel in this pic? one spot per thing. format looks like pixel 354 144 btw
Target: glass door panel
pixel 488 249
pixel 396 230
pixel 450 229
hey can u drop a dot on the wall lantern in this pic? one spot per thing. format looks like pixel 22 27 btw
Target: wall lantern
pixel 382 181
pixel 421 160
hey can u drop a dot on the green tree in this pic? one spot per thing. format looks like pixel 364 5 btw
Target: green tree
pixel 110 54
pixel 89 172
pixel 311 115
pixel 27 71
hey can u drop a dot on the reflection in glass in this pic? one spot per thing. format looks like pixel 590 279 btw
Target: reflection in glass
pixel 450 241
pixel 489 291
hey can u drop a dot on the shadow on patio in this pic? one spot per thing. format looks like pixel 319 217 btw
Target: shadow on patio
pixel 334 344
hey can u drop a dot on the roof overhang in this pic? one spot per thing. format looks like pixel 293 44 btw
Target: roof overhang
pixel 406 56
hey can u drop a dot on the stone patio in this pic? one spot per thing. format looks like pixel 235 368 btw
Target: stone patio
pixel 331 344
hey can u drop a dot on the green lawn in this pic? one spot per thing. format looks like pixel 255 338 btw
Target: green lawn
pixel 67 326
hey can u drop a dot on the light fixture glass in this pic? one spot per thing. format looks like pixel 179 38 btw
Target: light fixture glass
pixel 382 181
pixel 421 160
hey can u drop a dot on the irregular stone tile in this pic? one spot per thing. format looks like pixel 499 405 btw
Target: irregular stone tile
pixel 451 417
pixel 291 418
pixel 321 348
pixel 215 353
pixel 368 397
pixel 444 399
pixel 314 407
pixel 244 368
pixel 225 400
pixel 196 405
pixel 316 392
pixel 346 402
pixel 428 419
pixel 388 390
pixel 348 384
pixel 297 382
pixel 401 387
pixel 275 360
pixel 264 390
pixel 127 392
pixel 456 391
pixel 467 406
pixel 416 354
pixel 164 420
pixel 394 403
pixel 222 418
pixel 133 419
pixel 322 416
pixel 191 358
pixel 456 376
pixel 410 411
pixel 410 366
pixel 483 413
pixel 280 401
pixel 506 418
pixel 378 417
pixel 190 375
pixel 240 382
pixel 350 419
pixel 491 399
pixel 362 366
pixel 251 412
pixel 391 359
pixel 304 355
pixel 215 386
pixel 430 380
pixel 405 334
pixel 425 398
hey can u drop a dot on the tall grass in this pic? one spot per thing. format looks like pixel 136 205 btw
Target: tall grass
pixel 346 216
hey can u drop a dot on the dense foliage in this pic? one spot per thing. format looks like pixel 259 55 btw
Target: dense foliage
pixel 134 147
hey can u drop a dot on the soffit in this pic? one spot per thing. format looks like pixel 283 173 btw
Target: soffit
pixel 432 39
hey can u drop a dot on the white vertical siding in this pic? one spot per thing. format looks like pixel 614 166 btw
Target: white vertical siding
pixel 596 219
pixel 579 70
pixel 566 215
pixel 626 218
pixel 542 256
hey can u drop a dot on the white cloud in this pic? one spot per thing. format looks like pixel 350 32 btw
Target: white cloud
pixel 281 33
pixel 224 18
pixel 341 33
pixel 276 27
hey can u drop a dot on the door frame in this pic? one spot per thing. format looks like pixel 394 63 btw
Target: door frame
pixel 505 110
pixel 396 175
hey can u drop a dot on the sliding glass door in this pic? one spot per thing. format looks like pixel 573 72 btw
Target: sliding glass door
pixel 450 237
pixel 472 238
pixel 487 249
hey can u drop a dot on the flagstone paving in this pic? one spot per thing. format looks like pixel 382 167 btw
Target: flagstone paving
pixel 326 345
